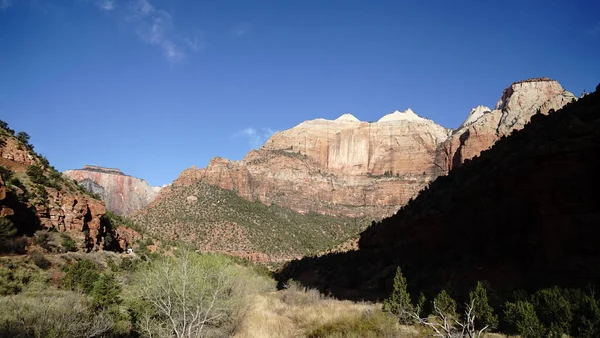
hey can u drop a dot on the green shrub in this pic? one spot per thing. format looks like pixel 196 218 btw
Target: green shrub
pixel 129 264
pixel 11 281
pixel 587 315
pixel 43 238
pixel 39 260
pixel 81 276
pixel 7 228
pixel 36 175
pixel 399 303
pixel 372 324
pixel 106 292
pixel 522 319
pixel 5 173
pixel 17 183
pixel 484 313
pixel 553 310
pixel 68 243
pixel 51 314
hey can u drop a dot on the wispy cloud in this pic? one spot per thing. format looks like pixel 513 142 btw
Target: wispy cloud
pixel 153 26
pixel 241 29
pixel 256 137
pixel 107 5
pixel 4 4
pixel 594 30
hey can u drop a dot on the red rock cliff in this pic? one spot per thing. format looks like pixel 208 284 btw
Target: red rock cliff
pixel 122 194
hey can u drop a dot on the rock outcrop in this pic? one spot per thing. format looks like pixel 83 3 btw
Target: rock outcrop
pixel 514 110
pixel 522 215
pixel 49 200
pixel 122 194
pixel 354 168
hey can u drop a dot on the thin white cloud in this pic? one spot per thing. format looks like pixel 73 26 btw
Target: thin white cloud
pixel 4 4
pixel 594 30
pixel 107 5
pixel 256 137
pixel 241 30
pixel 153 26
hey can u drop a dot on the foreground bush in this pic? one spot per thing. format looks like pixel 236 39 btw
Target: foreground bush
pixel 192 295
pixel 50 314
pixel 373 324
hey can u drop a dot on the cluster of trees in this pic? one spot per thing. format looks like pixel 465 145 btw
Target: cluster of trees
pixel 550 312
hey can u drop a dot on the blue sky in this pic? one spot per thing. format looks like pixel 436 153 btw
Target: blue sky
pixel 153 87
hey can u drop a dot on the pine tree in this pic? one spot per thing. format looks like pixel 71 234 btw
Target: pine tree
pixel 106 291
pixel 445 304
pixel 399 302
pixel 484 313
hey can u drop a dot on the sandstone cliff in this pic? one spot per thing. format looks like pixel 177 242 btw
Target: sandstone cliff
pixel 349 167
pixel 483 127
pixel 122 194
pixel 522 215
pixel 45 199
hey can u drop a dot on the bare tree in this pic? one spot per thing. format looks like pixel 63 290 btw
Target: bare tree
pixel 447 327
pixel 188 295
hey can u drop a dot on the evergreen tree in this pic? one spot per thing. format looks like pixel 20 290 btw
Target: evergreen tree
pixel 106 291
pixel 399 302
pixel 523 320
pixel 445 304
pixel 484 313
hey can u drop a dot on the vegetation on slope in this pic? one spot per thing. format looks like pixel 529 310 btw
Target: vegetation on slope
pixel 216 219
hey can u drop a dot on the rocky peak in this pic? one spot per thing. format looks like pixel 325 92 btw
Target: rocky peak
pixel 347 118
pixel 100 169
pixel 475 114
pixel 407 115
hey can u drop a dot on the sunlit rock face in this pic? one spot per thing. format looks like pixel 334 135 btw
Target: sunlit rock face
pixel 122 194
pixel 349 167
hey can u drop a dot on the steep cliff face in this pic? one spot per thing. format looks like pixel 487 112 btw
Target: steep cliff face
pixel 521 215
pixel 44 199
pixel 349 167
pixel 122 194
pixel 483 127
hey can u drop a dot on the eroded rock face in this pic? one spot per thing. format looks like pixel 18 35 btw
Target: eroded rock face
pixel 514 110
pixel 122 194
pixel 349 167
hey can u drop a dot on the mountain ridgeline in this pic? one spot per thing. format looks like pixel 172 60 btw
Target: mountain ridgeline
pixel 522 215
pixel 353 168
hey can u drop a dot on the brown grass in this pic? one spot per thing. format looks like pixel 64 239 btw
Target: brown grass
pixel 297 312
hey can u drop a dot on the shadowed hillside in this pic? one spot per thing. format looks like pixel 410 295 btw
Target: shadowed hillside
pixel 524 214
pixel 216 219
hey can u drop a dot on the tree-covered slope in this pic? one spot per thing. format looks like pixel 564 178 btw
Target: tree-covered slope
pixel 216 219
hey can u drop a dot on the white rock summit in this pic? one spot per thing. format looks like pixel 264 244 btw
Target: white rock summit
pixel 407 115
pixel 347 118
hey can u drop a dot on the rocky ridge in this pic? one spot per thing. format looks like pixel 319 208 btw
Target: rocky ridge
pixel 122 194
pixel 50 201
pixel 354 168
